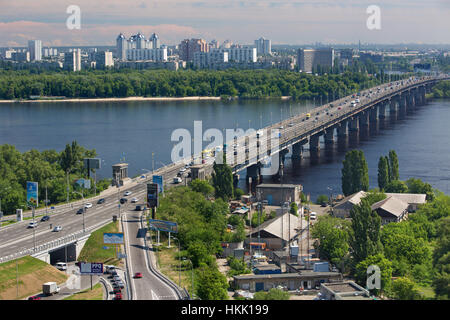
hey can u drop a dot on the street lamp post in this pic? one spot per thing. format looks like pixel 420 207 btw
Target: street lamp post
pixel 192 275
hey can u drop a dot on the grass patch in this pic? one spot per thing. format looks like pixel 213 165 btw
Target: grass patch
pixel 169 265
pixel 427 292
pixel 32 273
pixel 93 249
pixel 95 294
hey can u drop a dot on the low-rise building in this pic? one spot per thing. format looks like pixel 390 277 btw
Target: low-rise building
pixel 291 281
pixel 278 194
pixel 347 290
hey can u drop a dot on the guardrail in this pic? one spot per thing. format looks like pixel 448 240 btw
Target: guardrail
pixel 55 243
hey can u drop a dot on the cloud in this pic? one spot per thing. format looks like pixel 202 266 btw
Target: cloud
pixel 283 21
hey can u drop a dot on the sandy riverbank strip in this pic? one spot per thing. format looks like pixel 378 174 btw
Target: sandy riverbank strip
pixel 115 99
pixel 125 99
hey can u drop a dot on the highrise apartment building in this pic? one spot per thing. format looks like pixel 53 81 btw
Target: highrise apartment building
pixel 307 59
pixel 188 47
pixel 72 60
pixel 103 59
pixel 263 46
pixel 35 49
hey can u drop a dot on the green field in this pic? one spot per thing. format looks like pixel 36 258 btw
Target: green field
pixel 32 273
pixel 93 249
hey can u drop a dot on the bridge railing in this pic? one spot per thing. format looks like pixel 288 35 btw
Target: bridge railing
pixel 54 243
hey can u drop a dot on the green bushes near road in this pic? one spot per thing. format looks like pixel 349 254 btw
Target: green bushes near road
pixel 48 168
pixel 93 249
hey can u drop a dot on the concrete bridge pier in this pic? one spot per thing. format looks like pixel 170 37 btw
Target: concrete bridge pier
pixel 329 137
pixel 342 135
pixel 393 110
pixel 411 102
pixel 314 147
pixel 297 150
pixel 364 124
pixel 422 95
pixel 382 110
pixel 402 102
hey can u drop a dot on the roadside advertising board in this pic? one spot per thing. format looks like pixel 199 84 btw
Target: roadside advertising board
pixel 161 225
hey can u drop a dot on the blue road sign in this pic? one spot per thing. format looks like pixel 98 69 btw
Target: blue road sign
pixel 159 181
pixel 161 225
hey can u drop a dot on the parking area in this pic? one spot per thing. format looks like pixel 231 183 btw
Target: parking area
pixel 116 283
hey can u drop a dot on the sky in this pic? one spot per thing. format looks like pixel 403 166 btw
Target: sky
pixel 282 21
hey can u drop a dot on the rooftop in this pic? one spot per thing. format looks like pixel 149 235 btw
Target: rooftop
pixel 392 205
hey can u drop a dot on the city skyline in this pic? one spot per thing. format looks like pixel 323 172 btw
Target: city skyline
pixel 284 22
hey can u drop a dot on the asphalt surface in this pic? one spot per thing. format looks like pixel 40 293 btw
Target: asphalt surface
pixel 149 287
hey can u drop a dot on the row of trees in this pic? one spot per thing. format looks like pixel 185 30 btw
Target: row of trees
pixel 166 83
pixel 49 168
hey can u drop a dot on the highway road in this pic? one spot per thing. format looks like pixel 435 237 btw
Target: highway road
pixel 150 286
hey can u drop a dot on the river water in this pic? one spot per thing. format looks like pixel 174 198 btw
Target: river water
pixel 133 130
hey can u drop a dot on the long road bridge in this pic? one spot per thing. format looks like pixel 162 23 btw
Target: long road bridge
pixel 349 115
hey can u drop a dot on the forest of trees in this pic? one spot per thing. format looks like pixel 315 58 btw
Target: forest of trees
pixel 22 84
pixel 49 168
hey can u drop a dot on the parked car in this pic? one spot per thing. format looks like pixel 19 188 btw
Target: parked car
pixel 45 218
pixel 117 290
pixel 101 201
pixel 118 296
pixel 34 298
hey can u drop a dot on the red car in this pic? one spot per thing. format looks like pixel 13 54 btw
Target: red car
pixel 118 296
pixel 138 275
pixel 34 298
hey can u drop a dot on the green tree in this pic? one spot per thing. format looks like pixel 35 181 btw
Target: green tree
pixel 385 269
pixel 202 186
pixel 222 179
pixel 393 165
pixel 355 173
pixel 210 284
pixel 374 196
pixel 323 198
pixel 383 173
pixel 441 260
pixel 396 186
pixel 365 238
pixel 405 289
pixel 294 209
pixel 272 294
pixel 420 187
pixel 333 236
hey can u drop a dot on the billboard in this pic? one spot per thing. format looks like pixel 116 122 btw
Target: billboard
pixel 94 163
pixel 84 183
pixel 32 194
pixel 161 225
pixel 159 181
pixel 113 238
pixel 152 195
pixel 91 268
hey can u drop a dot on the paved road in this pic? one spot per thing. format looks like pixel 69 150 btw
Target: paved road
pixel 149 287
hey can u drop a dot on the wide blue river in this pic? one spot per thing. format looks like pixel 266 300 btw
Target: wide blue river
pixel 133 130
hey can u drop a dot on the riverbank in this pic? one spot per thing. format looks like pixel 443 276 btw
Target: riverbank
pixel 127 99
pixel 115 99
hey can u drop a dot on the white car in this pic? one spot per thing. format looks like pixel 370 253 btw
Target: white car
pixel 127 193
pixel 32 225
pixel 88 205
pixel 182 170
pixel 57 229
pixel 134 200
pixel 61 266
